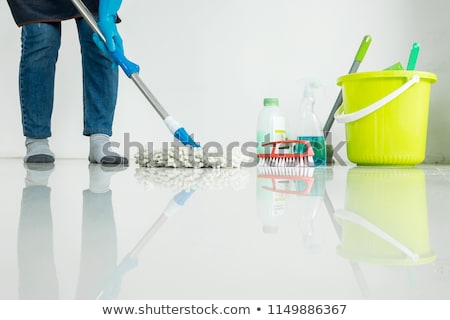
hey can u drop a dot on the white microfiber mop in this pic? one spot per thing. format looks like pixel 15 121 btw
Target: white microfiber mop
pixel 188 157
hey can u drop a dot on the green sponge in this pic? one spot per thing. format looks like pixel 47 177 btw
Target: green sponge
pixel 396 66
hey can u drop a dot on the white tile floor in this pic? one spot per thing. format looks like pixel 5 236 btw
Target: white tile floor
pixel 336 233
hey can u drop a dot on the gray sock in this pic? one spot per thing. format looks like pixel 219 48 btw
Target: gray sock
pixel 97 148
pixel 38 151
pixel 99 151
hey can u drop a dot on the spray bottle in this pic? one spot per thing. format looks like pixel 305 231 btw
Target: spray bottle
pixel 309 127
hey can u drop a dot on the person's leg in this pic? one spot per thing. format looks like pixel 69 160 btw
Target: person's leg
pixel 100 85
pixel 40 45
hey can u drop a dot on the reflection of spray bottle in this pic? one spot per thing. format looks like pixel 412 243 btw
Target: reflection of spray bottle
pixel 309 203
pixel 309 127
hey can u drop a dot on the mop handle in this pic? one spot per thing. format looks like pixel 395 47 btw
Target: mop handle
pixel 131 72
pixel 355 65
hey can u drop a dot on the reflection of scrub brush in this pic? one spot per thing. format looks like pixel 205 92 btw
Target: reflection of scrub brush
pixel 296 180
pixel 300 154
pixel 187 179
pixel 188 157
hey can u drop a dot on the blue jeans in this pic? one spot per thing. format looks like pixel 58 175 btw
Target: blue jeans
pixel 40 46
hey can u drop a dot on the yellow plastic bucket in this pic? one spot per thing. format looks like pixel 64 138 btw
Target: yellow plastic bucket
pixel 385 220
pixel 386 116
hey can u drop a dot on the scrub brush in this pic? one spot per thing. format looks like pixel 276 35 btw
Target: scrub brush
pixel 277 157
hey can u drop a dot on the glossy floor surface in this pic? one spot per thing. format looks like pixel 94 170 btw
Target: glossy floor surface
pixel 80 231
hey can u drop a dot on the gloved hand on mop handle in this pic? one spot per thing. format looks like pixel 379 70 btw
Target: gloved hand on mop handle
pixel 107 17
pixel 113 44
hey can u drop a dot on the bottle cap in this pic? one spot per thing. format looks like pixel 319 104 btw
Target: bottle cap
pixel 268 102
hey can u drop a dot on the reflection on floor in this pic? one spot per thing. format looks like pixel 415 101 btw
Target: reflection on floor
pixel 80 231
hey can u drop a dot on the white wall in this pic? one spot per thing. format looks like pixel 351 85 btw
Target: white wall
pixel 211 63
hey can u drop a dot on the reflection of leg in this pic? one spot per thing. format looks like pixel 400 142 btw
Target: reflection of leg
pixel 99 239
pixel 37 271
pixel 38 174
pixel 99 244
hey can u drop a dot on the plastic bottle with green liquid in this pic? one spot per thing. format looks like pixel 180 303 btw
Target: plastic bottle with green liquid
pixel 309 127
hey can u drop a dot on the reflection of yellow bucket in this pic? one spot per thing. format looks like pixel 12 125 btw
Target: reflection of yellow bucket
pixel 386 116
pixel 385 220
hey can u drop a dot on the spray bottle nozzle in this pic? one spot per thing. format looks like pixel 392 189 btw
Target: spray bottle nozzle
pixel 310 88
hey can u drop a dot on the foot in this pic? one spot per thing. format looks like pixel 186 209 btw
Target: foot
pixel 38 151
pixel 100 152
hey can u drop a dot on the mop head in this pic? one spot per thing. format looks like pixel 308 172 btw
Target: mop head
pixel 178 179
pixel 188 157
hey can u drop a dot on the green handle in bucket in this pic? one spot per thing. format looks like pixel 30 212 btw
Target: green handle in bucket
pixel 360 54
pixel 362 50
pixel 340 117
pixel 413 56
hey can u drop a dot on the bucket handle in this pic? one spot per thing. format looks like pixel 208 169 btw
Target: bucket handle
pixel 340 117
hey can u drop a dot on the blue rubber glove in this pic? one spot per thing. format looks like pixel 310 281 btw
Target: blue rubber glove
pixel 107 17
